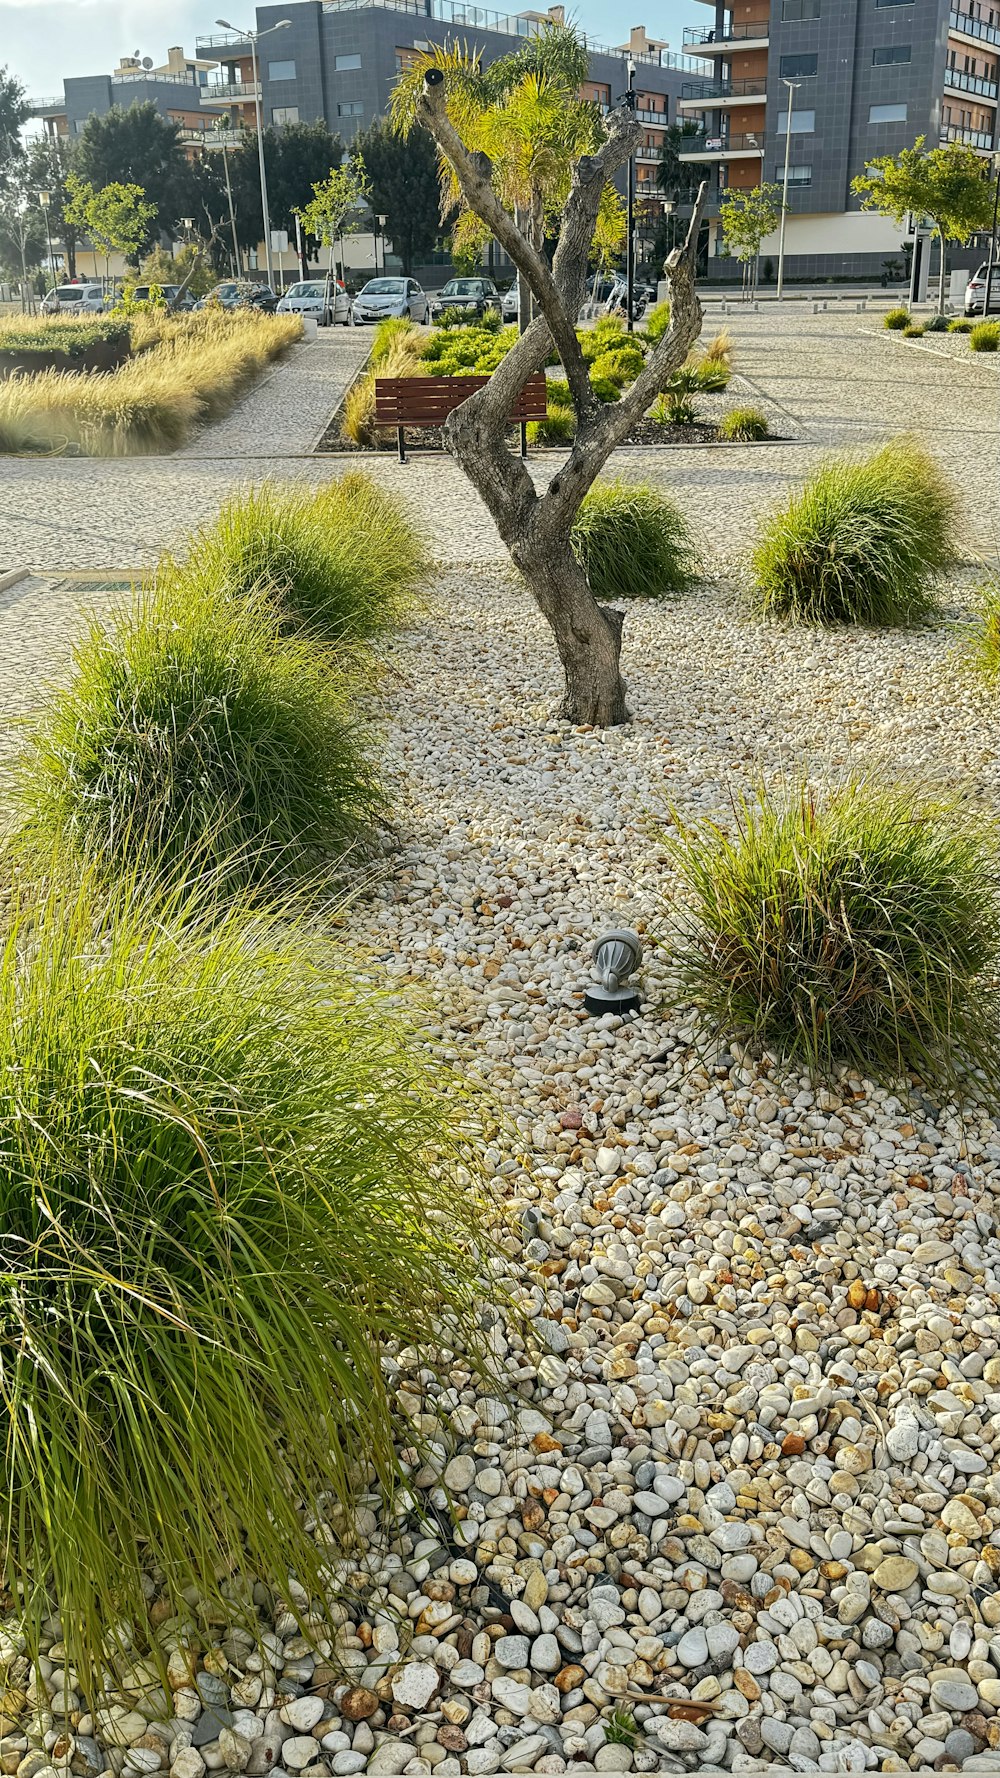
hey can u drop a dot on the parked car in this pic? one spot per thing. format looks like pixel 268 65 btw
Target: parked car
pixel 171 295
pixel 975 291
pixel 73 299
pixel 510 305
pixel 326 300
pixel 480 294
pixel 241 294
pixel 382 297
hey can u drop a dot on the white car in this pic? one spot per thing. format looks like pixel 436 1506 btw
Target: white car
pixel 510 306
pixel 328 302
pixel 975 292
pixel 74 299
pixel 382 297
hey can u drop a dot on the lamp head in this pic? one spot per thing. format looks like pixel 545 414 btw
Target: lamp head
pixel 617 955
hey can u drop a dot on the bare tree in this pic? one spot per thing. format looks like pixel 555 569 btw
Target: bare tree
pixel 536 526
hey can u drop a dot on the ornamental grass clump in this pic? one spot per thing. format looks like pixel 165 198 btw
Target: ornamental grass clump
pixel 558 426
pixel 342 565
pixel 896 319
pixel 230 1189
pixel 985 650
pixel 855 928
pixel 985 337
pixel 861 543
pixel 632 542
pixel 744 425
pixel 192 738
pixel 657 322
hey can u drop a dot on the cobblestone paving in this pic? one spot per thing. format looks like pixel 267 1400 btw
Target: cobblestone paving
pixel 288 409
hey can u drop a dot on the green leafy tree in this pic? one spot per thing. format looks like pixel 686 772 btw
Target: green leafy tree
pixel 189 268
pixel 117 218
pixel 22 226
pixel 950 185
pixel 748 216
pixel 136 146
pixel 403 182
pixel 677 179
pixel 297 157
pixel 328 215
pixel 51 160
pixel 14 111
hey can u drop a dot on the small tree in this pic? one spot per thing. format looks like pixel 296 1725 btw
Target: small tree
pixel 747 218
pixel 401 180
pixel 332 201
pixel 22 229
pixel 950 185
pixel 117 218
pixel 536 527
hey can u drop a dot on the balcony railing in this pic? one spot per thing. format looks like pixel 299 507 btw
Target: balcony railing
pixel 720 146
pixel 953 132
pixel 659 117
pixel 694 35
pixel 722 89
pixel 228 40
pixel 226 90
pixel 39 105
pixel 959 81
pixel 973 27
pixel 145 77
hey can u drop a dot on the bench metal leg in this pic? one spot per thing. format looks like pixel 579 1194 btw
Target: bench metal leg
pixel 524 438
pixel 399 441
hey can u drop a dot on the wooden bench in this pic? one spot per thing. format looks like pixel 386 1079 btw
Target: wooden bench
pixel 427 401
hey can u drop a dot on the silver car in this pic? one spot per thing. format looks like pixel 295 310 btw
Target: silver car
pixel 74 299
pixel 382 297
pixel 327 302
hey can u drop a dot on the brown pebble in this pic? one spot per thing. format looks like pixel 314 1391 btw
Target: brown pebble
pixel 358 1703
pixel 452 1738
pixel 569 1678
pixel 793 1445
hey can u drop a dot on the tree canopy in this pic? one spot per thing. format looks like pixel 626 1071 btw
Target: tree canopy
pixel 117 218
pixel 748 216
pixel 401 175
pixel 50 162
pixel 136 146
pixel 950 185
pixel 14 111
pixel 677 179
pixel 297 157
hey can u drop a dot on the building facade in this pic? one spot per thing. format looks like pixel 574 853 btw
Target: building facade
pixel 870 76
pixel 180 88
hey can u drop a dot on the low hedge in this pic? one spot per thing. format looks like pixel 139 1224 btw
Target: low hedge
pixel 101 345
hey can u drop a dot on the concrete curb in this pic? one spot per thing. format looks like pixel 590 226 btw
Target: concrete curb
pixel 12 577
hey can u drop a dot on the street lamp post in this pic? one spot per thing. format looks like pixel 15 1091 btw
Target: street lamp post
pixel 381 229
pixel 992 255
pixel 43 201
pixel 223 127
pixel 253 38
pixel 792 86
pixel 630 204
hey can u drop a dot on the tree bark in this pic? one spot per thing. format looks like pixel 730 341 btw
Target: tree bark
pixel 588 636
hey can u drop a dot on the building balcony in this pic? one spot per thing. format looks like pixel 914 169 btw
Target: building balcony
pixel 953 132
pixel 978 30
pixel 706 147
pixel 702 42
pixel 47 107
pixel 659 117
pixel 225 92
pixel 648 156
pixel 146 77
pixel 713 95
pixel 957 81
pixel 232 42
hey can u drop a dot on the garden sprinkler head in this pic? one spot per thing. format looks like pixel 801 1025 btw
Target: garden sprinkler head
pixel 617 956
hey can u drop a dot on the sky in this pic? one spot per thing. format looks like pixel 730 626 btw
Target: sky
pixel 41 41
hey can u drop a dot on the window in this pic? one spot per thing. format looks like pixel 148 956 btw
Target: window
pixel 793 10
pixel 351 108
pixel 887 114
pixel 889 54
pixel 800 175
pixel 343 63
pixel 281 70
pixel 285 114
pixel 894 2
pixel 803 122
pixel 797 66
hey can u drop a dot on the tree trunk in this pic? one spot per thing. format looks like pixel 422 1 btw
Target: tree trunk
pixel 588 636
pixel 941 270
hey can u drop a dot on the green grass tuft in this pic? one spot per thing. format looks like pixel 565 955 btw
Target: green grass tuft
pixel 896 319
pixel 229 1188
pixel 342 564
pixel 985 337
pixel 193 738
pixel 985 651
pixel 557 392
pixel 860 544
pixel 558 426
pixel 620 1730
pixel 961 325
pixel 632 542
pixel 914 330
pixel 856 928
pixel 744 425
pixel 657 322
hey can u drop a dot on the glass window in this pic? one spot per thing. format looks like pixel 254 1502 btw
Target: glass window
pixel 793 67
pixel 894 2
pixel 281 70
pixel 803 122
pixel 887 114
pixel 792 10
pixel 889 54
pixel 350 108
pixel 285 114
pixel 800 175
pixel 343 63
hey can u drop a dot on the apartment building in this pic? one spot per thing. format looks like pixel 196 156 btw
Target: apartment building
pixel 180 88
pixel 339 60
pixel 870 77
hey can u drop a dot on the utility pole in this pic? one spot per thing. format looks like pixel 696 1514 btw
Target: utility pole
pixel 253 37
pixel 792 85
pixel 630 205
pixel 223 127
pixel 992 256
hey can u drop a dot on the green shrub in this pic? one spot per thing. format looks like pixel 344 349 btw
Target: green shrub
pixel 985 337
pixel 558 392
pixel 342 564
pixel 711 375
pixel 657 322
pixel 860 544
pixel 961 325
pixel 896 320
pixel 936 324
pixel 608 369
pixel 609 328
pixel 744 425
pixel 390 335
pixel 558 426
pixel 986 637
pixel 191 738
pixel 70 338
pixel 490 322
pixel 856 928
pixel 627 362
pixel 230 1188
pixel 914 330
pixel 604 388
pixel 674 408
pixel 632 542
